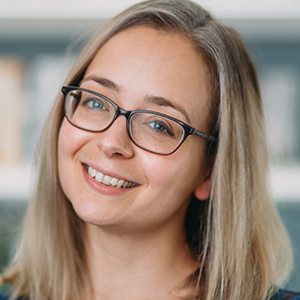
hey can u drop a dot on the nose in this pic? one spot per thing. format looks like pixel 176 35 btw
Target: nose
pixel 115 140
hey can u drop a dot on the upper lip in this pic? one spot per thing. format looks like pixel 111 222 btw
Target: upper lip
pixel 109 173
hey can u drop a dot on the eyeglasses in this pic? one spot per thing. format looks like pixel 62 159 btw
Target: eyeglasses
pixel 150 130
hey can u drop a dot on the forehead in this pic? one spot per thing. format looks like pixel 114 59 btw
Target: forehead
pixel 144 61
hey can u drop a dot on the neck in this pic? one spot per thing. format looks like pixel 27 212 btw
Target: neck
pixel 139 265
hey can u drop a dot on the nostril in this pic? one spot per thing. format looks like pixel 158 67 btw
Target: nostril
pixel 115 140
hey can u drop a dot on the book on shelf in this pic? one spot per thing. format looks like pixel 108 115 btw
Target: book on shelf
pixel 11 107
pixel 280 92
pixel 28 89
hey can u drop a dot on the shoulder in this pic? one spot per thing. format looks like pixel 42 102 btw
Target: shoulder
pixel 285 295
pixel 5 293
pixel 6 296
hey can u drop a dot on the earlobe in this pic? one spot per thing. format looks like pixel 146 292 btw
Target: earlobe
pixel 202 192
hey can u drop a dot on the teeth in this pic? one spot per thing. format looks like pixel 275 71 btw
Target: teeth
pixel 108 180
pixel 92 171
pixel 120 183
pixel 99 176
pixel 114 181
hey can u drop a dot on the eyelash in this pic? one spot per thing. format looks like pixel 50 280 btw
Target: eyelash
pixel 166 129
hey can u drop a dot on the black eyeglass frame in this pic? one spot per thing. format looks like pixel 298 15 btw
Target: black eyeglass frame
pixel 188 130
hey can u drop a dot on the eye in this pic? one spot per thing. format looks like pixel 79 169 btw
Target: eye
pixel 94 103
pixel 161 127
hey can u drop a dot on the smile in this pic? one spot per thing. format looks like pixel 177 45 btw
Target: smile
pixel 108 180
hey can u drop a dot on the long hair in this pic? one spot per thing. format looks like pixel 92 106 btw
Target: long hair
pixel 242 247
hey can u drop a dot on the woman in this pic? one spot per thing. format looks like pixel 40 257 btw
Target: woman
pixel 152 170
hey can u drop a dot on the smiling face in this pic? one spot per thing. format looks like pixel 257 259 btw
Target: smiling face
pixel 108 179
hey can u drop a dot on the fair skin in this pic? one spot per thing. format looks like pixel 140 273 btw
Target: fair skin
pixel 136 245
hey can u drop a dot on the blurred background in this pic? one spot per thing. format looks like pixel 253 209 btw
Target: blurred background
pixel 39 40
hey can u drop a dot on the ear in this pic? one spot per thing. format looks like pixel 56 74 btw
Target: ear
pixel 202 192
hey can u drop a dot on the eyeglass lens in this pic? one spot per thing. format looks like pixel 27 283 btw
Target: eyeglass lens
pixel 148 130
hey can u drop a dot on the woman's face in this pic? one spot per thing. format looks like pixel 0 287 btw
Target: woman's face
pixel 134 66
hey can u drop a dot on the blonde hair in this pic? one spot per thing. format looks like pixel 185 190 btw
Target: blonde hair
pixel 239 240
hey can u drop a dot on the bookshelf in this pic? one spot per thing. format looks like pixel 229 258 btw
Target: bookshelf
pixel 35 35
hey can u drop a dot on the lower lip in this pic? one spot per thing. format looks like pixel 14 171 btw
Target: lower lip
pixel 102 188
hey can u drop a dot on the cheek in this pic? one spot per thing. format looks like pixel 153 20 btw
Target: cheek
pixel 67 141
pixel 171 182
pixel 70 141
pixel 65 152
pixel 177 173
pixel 157 169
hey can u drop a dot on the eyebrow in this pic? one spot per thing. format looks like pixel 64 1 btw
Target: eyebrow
pixel 104 82
pixel 165 102
pixel 160 101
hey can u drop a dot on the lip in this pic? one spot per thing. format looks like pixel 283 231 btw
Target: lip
pixel 102 188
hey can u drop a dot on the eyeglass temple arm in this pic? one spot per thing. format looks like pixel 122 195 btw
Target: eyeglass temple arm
pixel 204 135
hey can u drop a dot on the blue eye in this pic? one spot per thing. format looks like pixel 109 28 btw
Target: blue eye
pixel 160 127
pixel 94 104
